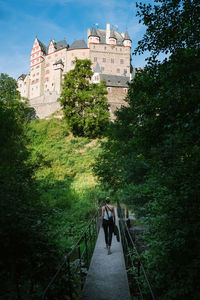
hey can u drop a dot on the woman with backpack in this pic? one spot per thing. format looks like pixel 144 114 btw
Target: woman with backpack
pixel 108 221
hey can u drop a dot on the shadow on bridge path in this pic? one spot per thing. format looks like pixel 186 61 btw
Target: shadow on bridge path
pixel 107 278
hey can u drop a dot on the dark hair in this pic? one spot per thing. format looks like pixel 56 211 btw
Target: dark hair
pixel 107 200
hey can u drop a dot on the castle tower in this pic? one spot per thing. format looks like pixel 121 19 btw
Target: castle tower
pixel 36 69
pixel 97 71
pixel 58 67
pixel 93 38
pixel 112 38
pixel 127 41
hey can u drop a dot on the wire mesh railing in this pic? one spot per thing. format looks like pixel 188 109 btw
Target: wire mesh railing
pixel 67 283
pixel 139 284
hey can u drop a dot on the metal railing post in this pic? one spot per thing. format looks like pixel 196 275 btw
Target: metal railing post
pixel 69 276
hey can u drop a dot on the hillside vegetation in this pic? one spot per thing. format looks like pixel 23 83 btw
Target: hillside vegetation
pixel 64 176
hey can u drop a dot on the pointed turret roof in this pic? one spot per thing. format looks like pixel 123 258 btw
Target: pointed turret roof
pixel 97 68
pixel 94 32
pixel 127 37
pixel 112 34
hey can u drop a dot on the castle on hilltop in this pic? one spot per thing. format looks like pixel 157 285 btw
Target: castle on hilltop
pixel 109 51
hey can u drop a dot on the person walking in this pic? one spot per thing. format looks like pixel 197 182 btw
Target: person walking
pixel 108 221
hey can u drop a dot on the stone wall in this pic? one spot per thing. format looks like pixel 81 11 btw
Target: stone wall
pixel 113 60
pixel 47 104
pixel 116 96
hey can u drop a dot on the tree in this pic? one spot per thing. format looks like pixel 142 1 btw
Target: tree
pixel 25 245
pixel 171 25
pixel 8 88
pixel 84 104
pixel 159 131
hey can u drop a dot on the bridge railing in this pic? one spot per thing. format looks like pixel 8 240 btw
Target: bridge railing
pixel 140 286
pixel 67 283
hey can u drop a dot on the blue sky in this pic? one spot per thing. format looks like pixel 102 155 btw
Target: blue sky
pixel 22 20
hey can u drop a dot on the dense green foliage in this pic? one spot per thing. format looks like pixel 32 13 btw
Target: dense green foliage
pixel 23 235
pixel 8 88
pixel 47 192
pixel 84 104
pixel 153 153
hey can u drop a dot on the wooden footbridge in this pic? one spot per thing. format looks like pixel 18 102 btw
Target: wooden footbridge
pixel 89 273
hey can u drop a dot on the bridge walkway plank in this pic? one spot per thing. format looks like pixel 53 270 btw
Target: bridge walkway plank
pixel 107 277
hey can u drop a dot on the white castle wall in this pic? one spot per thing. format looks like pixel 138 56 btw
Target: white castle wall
pixel 45 105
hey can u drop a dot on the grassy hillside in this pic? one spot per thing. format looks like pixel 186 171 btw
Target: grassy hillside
pixel 67 187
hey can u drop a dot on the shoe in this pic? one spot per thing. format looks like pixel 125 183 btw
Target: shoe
pixel 109 252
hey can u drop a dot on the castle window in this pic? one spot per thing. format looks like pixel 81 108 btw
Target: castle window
pixel 93 47
pixel 118 70
pixel 121 49
pixel 121 61
pixel 118 81
pixel 102 69
pixel 104 48
pixel 46 65
pixel 95 59
pixel 104 59
pixel 37 67
pixel 112 60
pixel 109 89
pixel 125 90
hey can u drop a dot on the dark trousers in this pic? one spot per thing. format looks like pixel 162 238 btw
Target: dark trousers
pixel 108 230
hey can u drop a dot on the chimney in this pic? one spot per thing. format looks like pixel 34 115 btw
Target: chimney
pixel 107 33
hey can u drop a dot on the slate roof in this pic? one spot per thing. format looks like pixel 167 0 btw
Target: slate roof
pixel 102 34
pixel 94 32
pixel 59 62
pixel 78 44
pixel 115 81
pixel 43 47
pixel 23 76
pixel 112 34
pixel 60 45
pixel 127 37
pixel 97 68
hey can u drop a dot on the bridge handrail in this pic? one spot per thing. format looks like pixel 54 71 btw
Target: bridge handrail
pixel 140 265
pixel 82 238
